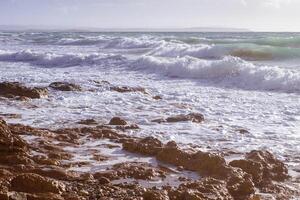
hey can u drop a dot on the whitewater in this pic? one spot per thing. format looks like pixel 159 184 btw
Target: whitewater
pixel 247 81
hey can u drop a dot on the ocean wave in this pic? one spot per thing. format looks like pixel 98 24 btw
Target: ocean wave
pixel 112 42
pixel 180 50
pixel 60 60
pixel 206 51
pixel 229 71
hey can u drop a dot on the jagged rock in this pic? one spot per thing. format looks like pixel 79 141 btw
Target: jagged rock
pixel 125 89
pixel 157 97
pixel 117 121
pixel 33 183
pixel 10 142
pixel 15 89
pixel 156 195
pixel 193 117
pixel 65 86
pixel 206 189
pixel 263 167
pixel 147 146
pixel 88 122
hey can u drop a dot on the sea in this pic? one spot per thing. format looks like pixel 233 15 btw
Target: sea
pixel 238 81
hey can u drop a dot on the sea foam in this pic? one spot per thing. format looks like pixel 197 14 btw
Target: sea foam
pixel 229 71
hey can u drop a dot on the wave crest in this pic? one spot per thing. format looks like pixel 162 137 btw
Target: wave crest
pixel 60 60
pixel 229 71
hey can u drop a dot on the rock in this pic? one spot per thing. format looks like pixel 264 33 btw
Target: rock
pixel 251 167
pixel 206 189
pixel 33 183
pixel 274 169
pixel 125 89
pixel 240 184
pixel 65 86
pixel 147 146
pixel 15 89
pixel 55 173
pixel 137 170
pixel 44 196
pixel 117 121
pixel 263 167
pixel 157 97
pixel 10 142
pixel 193 117
pixel 11 115
pixel 88 122
pixel 103 180
pixel 243 131
pixel 156 195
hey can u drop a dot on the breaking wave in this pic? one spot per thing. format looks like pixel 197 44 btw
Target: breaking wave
pixel 60 60
pixel 229 71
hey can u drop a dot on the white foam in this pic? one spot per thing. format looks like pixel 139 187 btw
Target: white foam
pixel 61 60
pixel 229 71
pixel 182 49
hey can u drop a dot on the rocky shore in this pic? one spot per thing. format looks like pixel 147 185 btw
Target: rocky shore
pixel 93 161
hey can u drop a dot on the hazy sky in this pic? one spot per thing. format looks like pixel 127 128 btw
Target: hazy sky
pixel 268 15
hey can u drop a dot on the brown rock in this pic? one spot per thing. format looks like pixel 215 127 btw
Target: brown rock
pixel 147 146
pixel 33 183
pixel 206 189
pixel 117 121
pixel 88 122
pixel 157 97
pixel 15 89
pixel 8 141
pixel 65 86
pixel 193 117
pixel 251 167
pixel 263 167
pixel 125 89
pixel 274 169
pixel 156 195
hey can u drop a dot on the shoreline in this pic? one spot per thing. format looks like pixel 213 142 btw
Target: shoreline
pixel 101 161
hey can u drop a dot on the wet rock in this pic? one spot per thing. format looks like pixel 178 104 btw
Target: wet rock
pixel 138 170
pixel 157 97
pixel 117 121
pixel 15 89
pixel 243 131
pixel 263 167
pixel 147 146
pixel 128 127
pixel 193 117
pixel 156 195
pixel 33 183
pixel 10 142
pixel 44 196
pixel 55 173
pixel 103 180
pixel 15 159
pixel 88 122
pixel 208 189
pixel 125 89
pixel 240 184
pixel 251 167
pixel 65 86
pixel 274 169
pixel 11 115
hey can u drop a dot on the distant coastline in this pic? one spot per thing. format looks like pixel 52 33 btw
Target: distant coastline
pixel 93 29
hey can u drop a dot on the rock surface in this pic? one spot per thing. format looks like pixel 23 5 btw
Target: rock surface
pixel 117 121
pixel 193 117
pixel 65 86
pixel 33 183
pixel 16 89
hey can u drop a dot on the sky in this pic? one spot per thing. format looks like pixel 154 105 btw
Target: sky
pixel 256 15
